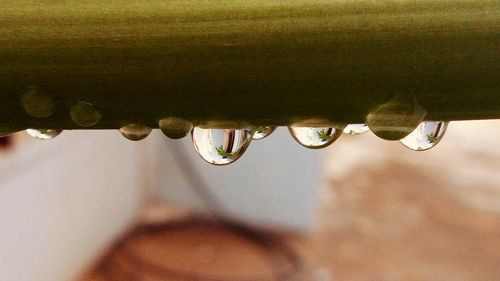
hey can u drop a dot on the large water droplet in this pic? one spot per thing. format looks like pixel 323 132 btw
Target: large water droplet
pixel 425 136
pixel 356 129
pixel 85 114
pixel 135 131
pixel 37 103
pixel 221 146
pixel 43 134
pixel 175 127
pixel 263 132
pixel 395 119
pixel 315 137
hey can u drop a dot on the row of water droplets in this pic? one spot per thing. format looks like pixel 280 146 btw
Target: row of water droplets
pixel 399 119
pixel 224 146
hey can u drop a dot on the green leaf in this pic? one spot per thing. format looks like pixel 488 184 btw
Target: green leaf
pixel 431 138
pixel 262 129
pixel 323 136
pixel 221 152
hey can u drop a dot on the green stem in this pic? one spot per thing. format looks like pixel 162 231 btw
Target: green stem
pixel 260 62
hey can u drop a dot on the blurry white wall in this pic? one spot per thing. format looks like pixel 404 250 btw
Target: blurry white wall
pixel 275 183
pixel 63 201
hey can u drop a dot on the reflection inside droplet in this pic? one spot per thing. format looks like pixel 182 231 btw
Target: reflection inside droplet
pixel 356 129
pixel 263 132
pixel 43 134
pixel 425 136
pixel 315 137
pixel 135 132
pixel 221 146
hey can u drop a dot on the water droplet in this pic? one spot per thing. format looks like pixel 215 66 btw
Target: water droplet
pixel 425 136
pixel 135 132
pixel 175 127
pixel 356 129
pixel 315 137
pixel 37 103
pixel 395 119
pixel 262 132
pixel 43 134
pixel 221 146
pixel 85 114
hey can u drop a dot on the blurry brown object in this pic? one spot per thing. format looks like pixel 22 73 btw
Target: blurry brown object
pixel 200 249
pixel 6 142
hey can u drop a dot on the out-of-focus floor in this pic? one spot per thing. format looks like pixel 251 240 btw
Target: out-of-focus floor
pixel 387 214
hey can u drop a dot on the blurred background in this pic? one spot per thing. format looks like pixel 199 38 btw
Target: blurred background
pixel 78 208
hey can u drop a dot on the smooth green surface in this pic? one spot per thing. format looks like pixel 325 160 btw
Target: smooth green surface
pixel 261 62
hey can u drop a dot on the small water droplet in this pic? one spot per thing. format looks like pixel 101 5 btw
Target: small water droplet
pixel 395 119
pixel 175 127
pixel 221 146
pixel 85 114
pixel 43 134
pixel 356 129
pixel 135 131
pixel 315 137
pixel 37 103
pixel 263 132
pixel 425 136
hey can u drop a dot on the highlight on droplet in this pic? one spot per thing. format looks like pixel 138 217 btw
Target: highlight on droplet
pixel 263 132
pixel 43 134
pixel 356 129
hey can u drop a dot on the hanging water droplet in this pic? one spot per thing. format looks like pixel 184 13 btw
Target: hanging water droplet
pixel 37 103
pixel 175 127
pixel 262 132
pixel 221 146
pixel 135 131
pixel 315 137
pixel 43 134
pixel 395 119
pixel 85 114
pixel 356 129
pixel 425 136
